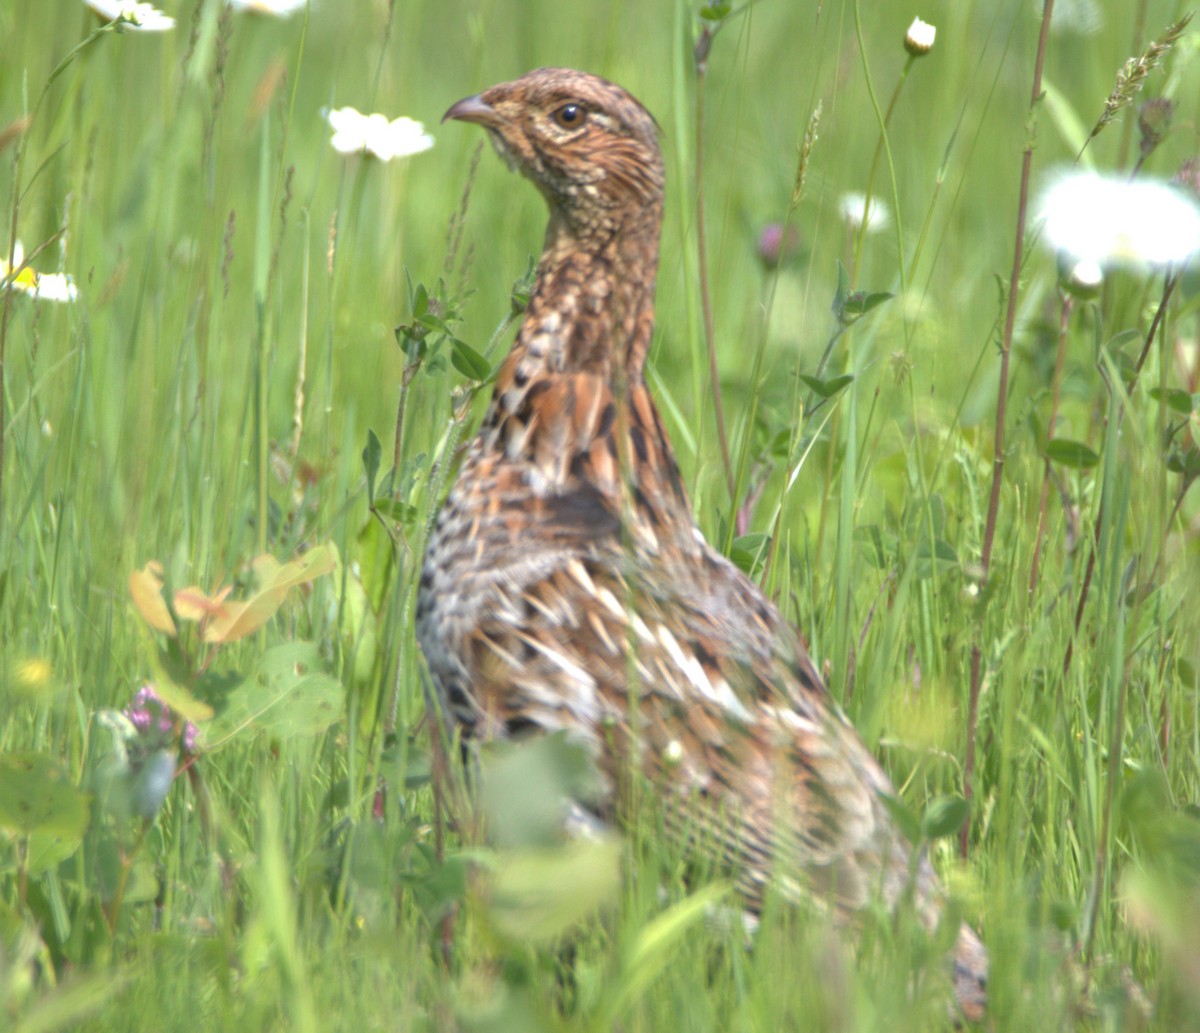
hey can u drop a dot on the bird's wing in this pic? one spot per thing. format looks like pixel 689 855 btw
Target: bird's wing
pixel 720 707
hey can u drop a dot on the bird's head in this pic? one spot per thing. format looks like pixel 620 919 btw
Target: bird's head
pixel 589 146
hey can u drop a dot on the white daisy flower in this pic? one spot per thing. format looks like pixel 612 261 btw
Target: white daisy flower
pixel 45 286
pixel 1115 221
pixel 275 8
pixel 138 16
pixel 918 41
pixel 354 132
pixel 852 206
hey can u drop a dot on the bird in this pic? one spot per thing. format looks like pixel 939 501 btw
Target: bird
pixel 566 586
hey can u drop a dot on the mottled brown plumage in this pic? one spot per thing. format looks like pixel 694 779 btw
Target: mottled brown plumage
pixel 566 585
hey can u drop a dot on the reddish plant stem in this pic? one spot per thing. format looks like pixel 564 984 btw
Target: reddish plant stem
pixel 1010 317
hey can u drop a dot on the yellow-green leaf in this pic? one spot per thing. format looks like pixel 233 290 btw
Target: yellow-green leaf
pixel 145 586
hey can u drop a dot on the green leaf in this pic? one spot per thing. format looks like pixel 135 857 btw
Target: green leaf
pixel 1175 397
pixel 37 795
pixel 860 303
pixel 940 558
pixel 372 453
pixel 540 894
pixel 1074 454
pixel 286 695
pixel 944 816
pixel 394 509
pixel 469 362
pixel 376 563
pixel 715 12
pixel 903 816
pixel 420 301
pixel 750 550
pixel 655 946
pixel 827 388
pixel 528 785
pixel 1186 462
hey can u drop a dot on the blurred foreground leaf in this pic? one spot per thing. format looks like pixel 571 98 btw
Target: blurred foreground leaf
pixel 287 694
pixel 540 894
pixel 37 795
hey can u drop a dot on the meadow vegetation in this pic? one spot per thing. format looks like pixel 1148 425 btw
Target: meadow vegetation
pixel 275 350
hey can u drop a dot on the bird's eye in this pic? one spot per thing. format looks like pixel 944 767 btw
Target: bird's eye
pixel 570 116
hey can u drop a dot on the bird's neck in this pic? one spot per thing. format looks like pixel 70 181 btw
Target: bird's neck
pixel 592 306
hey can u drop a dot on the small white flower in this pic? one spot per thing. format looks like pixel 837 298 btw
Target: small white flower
pixel 1080 277
pixel 354 132
pixel 141 17
pixel 1115 221
pixel 275 8
pixel 918 41
pixel 45 286
pixel 852 206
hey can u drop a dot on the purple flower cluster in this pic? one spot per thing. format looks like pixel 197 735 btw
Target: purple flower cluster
pixel 152 717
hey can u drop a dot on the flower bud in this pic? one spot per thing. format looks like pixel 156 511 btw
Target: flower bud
pixel 918 41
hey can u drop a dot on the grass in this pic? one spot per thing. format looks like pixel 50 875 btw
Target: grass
pixel 235 271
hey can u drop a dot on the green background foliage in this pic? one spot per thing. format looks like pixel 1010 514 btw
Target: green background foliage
pixel 254 307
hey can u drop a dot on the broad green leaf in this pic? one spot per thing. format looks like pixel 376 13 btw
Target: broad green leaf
pixel 540 894
pixel 527 787
pixel 1175 397
pixel 37 795
pixel 469 362
pixel 944 816
pixel 1074 454
pixel 286 695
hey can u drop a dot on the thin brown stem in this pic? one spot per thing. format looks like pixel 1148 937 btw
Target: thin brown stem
pixel 1010 317
pixel 702 248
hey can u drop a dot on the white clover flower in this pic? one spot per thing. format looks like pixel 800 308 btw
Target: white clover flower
pixel 44 286
pixel 1115 221
pixel 275 8
pixel 852 205
pixel 140 17
pixel 354 132
pixel 918 41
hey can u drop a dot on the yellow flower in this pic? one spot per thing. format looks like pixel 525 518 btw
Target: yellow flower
pixel 46 286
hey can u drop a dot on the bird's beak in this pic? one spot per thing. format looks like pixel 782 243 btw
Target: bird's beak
pixel 472 109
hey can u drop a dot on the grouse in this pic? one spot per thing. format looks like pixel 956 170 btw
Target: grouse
pixel 566 585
